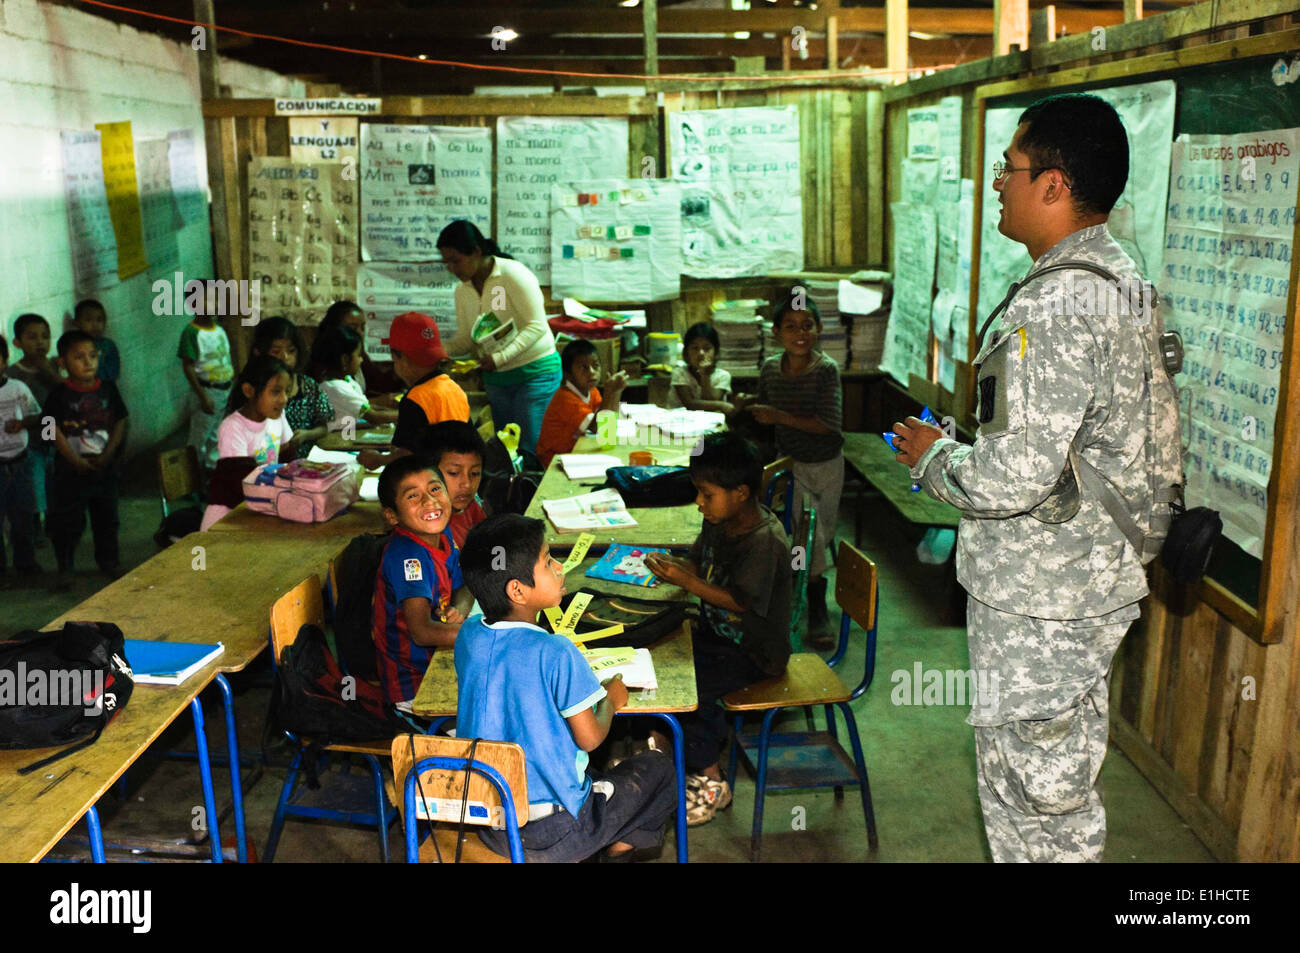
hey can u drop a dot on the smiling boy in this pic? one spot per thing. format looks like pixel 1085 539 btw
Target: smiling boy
pixel 572 411
pixel 456 449
pixel 419 598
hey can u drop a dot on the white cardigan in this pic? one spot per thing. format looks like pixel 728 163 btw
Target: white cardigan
pixel 523 302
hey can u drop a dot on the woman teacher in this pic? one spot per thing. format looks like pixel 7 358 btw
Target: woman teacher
pixel 523 376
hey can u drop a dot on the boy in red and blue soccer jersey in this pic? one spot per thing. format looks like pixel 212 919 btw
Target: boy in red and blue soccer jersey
pixel 420 601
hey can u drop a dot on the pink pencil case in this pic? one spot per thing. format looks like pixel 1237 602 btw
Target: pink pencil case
pixel 303 494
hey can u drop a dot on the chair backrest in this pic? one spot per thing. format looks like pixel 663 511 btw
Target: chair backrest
pixel 439 780
pixel 300 605
pixel 178 474
pixel 774 473
pixel 857 593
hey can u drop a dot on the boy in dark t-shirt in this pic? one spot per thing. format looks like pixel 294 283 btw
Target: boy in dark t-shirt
pixel 90 425
pixel 741 569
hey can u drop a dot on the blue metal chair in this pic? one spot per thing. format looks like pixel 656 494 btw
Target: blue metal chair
pixel 487 781
pixel 806 759
pixel 297 607
pixel 773 473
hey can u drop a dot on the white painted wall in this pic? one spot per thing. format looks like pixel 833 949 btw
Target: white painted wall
pixel 64 69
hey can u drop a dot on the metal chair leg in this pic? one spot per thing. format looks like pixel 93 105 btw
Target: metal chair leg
pixel 236 773
pixel 736 725
pixel 865 784
pixel 830 728
pixel 277 821
pixel 382 816
pixel 205 775
pixel 760 789
pixel 96 835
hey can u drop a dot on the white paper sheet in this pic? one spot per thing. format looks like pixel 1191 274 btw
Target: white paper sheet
pixel 386 289
pixel 90 228
pixel 191 194
pixel 908 334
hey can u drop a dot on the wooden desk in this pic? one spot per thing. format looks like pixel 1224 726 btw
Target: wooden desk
pixel 656 526
pixel 363 516
pixel 867 454
pixel 372 438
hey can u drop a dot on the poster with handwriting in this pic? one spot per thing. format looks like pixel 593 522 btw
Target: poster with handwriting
pixel 533 153
pixel 386 289
pixel 616 240
pixel 950 149
pixel 415 180
pixel 1227 268
pixel 118 151
pixel 907 336
pixel 161 218
pixel 90 227
pixel 302 235
pixel 182 158
pixel 742 190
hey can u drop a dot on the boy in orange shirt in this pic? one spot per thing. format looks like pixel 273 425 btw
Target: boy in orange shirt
pixel 572 411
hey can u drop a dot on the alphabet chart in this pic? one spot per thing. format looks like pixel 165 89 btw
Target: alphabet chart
pixel 415 180
pixel 386 289
pixel 1227 268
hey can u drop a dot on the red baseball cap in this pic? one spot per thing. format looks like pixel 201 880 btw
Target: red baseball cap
pixel 416 336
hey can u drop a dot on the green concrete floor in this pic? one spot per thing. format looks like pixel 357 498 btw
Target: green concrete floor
pixel 921 759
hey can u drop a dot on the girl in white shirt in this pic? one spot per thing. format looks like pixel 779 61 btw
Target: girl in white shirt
pixel 524 374
pixel 697 382
pixel 339 351
pixel 258 428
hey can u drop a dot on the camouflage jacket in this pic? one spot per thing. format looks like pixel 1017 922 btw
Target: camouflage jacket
pixel 1063 365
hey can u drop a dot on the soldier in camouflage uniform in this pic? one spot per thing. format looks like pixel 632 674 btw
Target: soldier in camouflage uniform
pixel 1052 583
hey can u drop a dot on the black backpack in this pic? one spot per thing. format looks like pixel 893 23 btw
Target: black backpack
pixel 644 621
pixel 61 687
pixel 357 569
pixel 652 485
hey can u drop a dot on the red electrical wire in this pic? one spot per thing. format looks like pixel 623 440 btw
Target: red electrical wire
pixel 683 77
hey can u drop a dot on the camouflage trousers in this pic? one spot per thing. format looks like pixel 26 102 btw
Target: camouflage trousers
pixel 1039 752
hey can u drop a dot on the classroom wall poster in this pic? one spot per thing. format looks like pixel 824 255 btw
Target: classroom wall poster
pixel 302 235
pixel 951 312
pixel 949 140
pixel 160 217
pixel 625 247
pixel 123 194
pixel 386 289
pixel 1227 267
pixel 415 180
pixel 324 139
pixel 1136 222
pixel 182 160
pixel 907 336
pixel 90 227
pixel 742 190
pixel 533 153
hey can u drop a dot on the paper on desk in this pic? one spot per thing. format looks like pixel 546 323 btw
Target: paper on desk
pixel 635 665
pixel 370 488
pixel 318 455
pixel 584 466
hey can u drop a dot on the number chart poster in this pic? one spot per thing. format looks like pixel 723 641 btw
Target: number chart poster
pixel 302 235
pixel 415 180
pixel 533 153
pixel 386 289
pixel 1230 223
pixel 616 240
pixel 90 227
pixel 742 190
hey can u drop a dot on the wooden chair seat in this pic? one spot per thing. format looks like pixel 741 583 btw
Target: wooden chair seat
pixel 379 748
pixel 473 851
pixel 808 680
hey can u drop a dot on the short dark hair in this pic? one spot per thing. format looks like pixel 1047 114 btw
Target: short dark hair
pixel 270 330
pixel 728 460
pixel 1082 136
pixel 339 310
pixel 70 339
pixel 399 470
pixel 579 347
pixel 84 305
pixel 701 330
pixel 451 436
pixel 4 349
pixel 520 539
pixel 333 346
pixel 24 320
pixel 797 298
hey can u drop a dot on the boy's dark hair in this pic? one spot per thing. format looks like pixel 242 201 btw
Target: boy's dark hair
pixel 4 349
pixel 399 470
pixel 464 236
pixel 24 320
pixel 270 330
pixel 579 347
pixel 452 436
pixel 258 371
pixel 728 460
pixel 500 549
pixel 701 330
pixel 69 339
pixel 333 345
pixel 1082 136
pixel 796 299
pixel 86 304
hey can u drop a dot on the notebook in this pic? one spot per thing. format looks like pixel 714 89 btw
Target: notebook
pixel 635 665
pixel 603 509
pixel 584 466
pixel 623 563
pixel 167 663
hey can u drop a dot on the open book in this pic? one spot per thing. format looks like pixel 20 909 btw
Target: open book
pixel 603 509
pixel 584 466
pixel 635 665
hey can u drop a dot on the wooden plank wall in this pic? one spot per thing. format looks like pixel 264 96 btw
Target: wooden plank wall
pixel 1209 714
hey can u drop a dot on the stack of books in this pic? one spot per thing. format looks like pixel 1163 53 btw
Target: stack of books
pixel 834 340
pixel 864 313
pixel 738 325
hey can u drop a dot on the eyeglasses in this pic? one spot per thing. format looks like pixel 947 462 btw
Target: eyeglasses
pixel 1001 170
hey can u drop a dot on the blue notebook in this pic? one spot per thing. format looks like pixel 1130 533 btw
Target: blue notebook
pixel 167 663
pixel 623 563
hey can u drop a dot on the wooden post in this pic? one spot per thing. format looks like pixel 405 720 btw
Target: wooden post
pixel 650 22
pixel 896 40
pixel 1010 26
pixel 1042 26
pixel 209 70
pixel 1132 10
pixel 832 42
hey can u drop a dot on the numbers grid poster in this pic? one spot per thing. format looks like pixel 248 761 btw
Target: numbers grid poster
pixel 742 190
pixel 415 180
pixel 1227 254
pixel 90 227
pixel 533 153
pixel 625 246
pixel 386 289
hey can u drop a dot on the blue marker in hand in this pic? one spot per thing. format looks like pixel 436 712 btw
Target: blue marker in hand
pixel 926 417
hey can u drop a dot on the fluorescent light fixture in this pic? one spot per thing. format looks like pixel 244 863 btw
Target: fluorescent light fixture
pixel 422 56
pixel 507 34
pixel 629 3
pixel 917 35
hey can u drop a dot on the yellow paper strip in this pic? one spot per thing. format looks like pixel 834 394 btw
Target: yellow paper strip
pixel 576 608
pixel 615 629
pixel 579 553
pixel 554 616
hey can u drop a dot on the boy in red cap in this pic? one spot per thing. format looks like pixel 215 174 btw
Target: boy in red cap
pixel 420 361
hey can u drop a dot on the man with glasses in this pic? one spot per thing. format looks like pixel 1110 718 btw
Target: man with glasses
pixel 1053 583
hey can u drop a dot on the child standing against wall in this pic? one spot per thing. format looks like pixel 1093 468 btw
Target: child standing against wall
pixel 204 354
